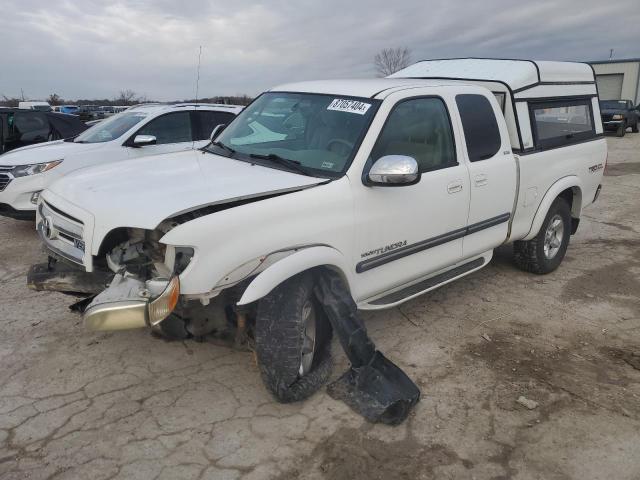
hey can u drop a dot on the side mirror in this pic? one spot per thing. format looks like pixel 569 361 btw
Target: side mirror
pixel 217 130
pixel 144 140
pixel 394 171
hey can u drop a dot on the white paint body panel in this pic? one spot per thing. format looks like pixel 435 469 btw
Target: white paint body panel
pixel 332 223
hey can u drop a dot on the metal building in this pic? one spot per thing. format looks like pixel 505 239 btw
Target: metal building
pixel 618 79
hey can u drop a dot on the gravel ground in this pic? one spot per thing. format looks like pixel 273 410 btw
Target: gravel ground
pixel 126 405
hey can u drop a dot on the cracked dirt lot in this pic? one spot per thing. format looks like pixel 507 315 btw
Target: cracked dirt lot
pixel 76 404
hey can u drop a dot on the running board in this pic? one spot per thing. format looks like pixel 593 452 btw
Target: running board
pixel 431 282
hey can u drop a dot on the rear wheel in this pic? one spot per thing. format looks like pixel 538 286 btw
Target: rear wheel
pixel 293 339
pixel 634 129
pixel 544 253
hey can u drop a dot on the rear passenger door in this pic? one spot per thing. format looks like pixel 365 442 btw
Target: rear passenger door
pixel 173 132
pixel 492 171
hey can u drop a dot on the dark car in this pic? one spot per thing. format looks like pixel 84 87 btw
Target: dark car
pixel 19 128
pixel 89 113
pixel 618 115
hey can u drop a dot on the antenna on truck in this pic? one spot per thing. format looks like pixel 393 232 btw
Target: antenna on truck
pixel 198 76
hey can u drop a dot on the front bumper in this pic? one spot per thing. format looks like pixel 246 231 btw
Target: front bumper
pixel 7 210
pixel 612 124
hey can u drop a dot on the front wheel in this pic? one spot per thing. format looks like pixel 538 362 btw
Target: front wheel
pixel 622 129
pixel 293 339
pixel 634 129
pixel 544 253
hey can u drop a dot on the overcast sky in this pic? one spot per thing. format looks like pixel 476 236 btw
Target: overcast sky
pixel 93 49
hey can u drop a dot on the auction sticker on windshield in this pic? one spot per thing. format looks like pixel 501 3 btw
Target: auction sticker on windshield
pixel 351 106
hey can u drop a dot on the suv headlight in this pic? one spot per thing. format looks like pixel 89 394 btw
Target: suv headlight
pixel 617 117
pixel 35 168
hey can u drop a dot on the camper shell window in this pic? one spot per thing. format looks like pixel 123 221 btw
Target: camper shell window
pixel 559 122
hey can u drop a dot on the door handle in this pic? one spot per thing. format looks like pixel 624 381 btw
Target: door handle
pixel 481 180
pixel 455 187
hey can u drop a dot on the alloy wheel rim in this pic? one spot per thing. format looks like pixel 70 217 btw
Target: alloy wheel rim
pixel 308 338
pixel 553 237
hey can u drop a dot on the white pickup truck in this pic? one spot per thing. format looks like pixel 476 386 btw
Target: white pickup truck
pixel 400 185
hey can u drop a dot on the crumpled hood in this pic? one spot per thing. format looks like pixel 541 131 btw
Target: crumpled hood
pixel 45 152
pixel 143 192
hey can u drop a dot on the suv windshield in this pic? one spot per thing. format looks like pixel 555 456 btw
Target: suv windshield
pixel 613 104
pixel 321 133
pixel 110 129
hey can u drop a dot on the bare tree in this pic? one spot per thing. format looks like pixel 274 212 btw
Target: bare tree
pixel 54 99
pixel 126 97
pixel 390 60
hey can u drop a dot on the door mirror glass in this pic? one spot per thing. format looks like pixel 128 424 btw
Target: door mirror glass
pixel 217 130
pixel 144 140
pixel 394 170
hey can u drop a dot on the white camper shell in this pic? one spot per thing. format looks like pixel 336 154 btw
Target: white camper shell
pixel 516 83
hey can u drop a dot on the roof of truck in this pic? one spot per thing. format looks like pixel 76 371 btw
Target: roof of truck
pixel 516 74
pixel 364 87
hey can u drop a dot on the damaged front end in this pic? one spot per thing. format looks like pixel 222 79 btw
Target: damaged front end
pixel 134 283
pixel 129 302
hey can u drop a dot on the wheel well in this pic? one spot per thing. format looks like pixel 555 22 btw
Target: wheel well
pixel 573 196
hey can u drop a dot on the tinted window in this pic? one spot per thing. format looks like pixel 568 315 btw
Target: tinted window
pixel 481 131
pixel 170 128
pixel 418 128
pixel 31 126
pixel 209 120
pixel 560 123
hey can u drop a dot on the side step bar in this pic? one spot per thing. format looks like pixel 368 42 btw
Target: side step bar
pixel 428 283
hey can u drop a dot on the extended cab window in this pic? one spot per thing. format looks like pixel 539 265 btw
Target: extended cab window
pixel 169 128
pixel 481 131
pixel 418 128
pixel 561 122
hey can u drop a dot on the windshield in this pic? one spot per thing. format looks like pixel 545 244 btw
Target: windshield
pixel 320 132
pixel 110 129
pixel 41 108
pixel 613 104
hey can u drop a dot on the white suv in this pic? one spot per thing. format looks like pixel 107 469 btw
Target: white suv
pixel 138 132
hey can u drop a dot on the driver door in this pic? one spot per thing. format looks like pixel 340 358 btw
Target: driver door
pixel 406 232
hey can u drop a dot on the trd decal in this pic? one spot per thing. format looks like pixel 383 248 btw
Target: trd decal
pixel 595 168
pixel 381 250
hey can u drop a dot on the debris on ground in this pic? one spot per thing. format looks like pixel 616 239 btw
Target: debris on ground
pixel 486 337
pixel 373 386
pixel 526 402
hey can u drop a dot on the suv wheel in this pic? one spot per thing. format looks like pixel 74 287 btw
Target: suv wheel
pixel 622 129
pixel 293 340
pixel 634 129
pixel 544 253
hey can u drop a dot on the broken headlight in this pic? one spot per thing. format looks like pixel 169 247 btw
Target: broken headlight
pixel 35 168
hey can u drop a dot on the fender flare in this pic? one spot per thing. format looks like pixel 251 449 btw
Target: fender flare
pixel 552 193
pixel 286 268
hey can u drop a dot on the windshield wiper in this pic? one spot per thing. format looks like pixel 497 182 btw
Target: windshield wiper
pixel 223 147
pixel 285 162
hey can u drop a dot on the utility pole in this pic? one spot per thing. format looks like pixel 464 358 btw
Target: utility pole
pixel 22 94
pixel 611 54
